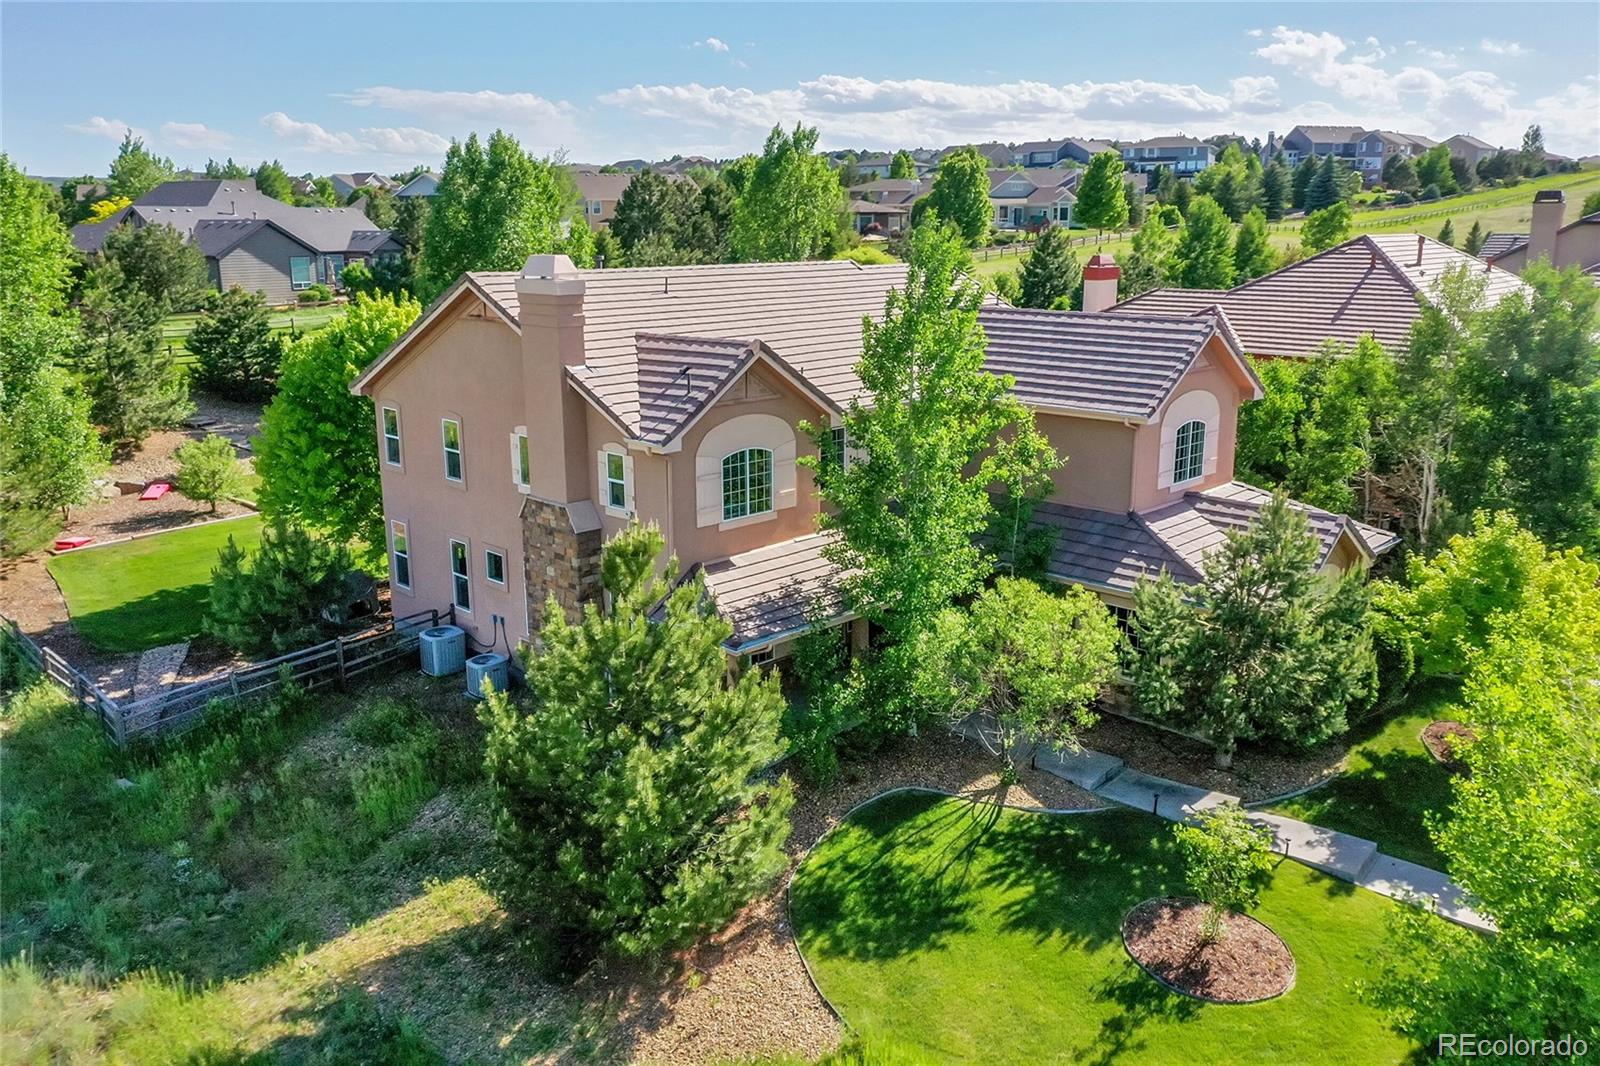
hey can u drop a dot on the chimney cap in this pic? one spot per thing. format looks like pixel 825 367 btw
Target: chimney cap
pixel 549 266
pixel 1549 196
pixel 550 275
pixel 1101 267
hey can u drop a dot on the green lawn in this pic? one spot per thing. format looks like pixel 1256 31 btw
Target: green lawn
pixel 1389 783
pixel 149 591
pixel 975 934
pixel 292 323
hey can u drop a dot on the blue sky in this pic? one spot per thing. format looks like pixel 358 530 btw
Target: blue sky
pixel 333 87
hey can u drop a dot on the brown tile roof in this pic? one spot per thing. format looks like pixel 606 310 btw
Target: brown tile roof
pixel 808 314
pixel 767 593
pixel 1111 551
pixel 1115 365
pixel 1367 286
pixel 1498 244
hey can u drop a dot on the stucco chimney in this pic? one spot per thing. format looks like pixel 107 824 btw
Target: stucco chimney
pixel 1548 207
pixel 1100 282
pixel 550 310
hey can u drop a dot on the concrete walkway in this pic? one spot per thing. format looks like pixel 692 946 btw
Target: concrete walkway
pixel 1349 858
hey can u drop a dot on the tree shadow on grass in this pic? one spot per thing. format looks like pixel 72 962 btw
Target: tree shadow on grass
pixel 896 879
pixel 1074 877
pixel 1141 1000
pixel 165 616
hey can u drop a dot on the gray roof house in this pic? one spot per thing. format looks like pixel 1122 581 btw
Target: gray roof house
pixel 1470 148
pixel 1049 153
pixel 1181 155
pixel 424 184
pixel 345 184
pixel 248 238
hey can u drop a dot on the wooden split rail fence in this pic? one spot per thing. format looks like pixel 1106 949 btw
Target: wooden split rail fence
pixel 175 709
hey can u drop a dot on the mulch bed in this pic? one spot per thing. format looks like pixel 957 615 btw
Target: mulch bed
pixel 1444 741
pixel 1248 964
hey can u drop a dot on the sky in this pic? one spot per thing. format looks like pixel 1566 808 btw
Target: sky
pixel 336 87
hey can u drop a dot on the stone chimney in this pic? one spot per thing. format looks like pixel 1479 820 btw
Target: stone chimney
pixel 1548 207
pixel 1100 282
pixel 550 310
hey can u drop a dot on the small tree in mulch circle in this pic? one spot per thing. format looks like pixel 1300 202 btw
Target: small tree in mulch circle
pixel 209 470
pixel 1226 861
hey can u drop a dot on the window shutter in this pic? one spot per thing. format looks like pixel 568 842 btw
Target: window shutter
pixel 783 475
pixel 516 462
pixel 708 489
pixel 602 490
pixel 627 483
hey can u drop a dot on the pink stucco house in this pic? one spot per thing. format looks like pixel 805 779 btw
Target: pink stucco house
pixel 528 416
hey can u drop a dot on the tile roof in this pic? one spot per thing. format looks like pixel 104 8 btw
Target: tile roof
pixel 807 314
pixel 1498 244
pixel 769 593
pixel 1115 365
pixel 1329 134
pixel 1179 141
pixel 1367 286
pixel 1111 551
pixel 596 186
pixel 678 377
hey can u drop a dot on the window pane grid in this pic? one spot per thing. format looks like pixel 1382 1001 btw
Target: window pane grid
pixel 391 435
pixel 1188 456
pixel 402 555
pixel 746 483
pixel 452 450
pixel 616 482
pixel 458 573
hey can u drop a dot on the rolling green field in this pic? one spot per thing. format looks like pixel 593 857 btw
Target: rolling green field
pixel 1506 210
pixel 175 330
pixel 147 592
pixel 977 934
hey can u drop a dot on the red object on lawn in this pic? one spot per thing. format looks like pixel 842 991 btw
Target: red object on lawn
pixel 68 543
pixel 155 491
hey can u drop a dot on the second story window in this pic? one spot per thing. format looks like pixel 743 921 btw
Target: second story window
pixel 521 463
pixel 460 577
pixel 746 483
pixel 400 544
pixel 1189 455
pixel 616 482
pixel 451 431
pixel 391 436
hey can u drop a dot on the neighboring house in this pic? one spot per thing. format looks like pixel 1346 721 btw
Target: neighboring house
pixel 1032 199
pixel 998 155
pixel 1051 153
pixel 1368 286
pixel 884 206
pixel 1574 244
pixel 528 416
pixel 423 185
pixel 251 240
pixel 1374 147
pixel 631 164
pixel 875 164
pixel 683 164
pixel 1303 141
pixel 1081 151
pixel 1470 148
pixel 598 194
pixel 1181 155
pixel 303 186
pixel 346 184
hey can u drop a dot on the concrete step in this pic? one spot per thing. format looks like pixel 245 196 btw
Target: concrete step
pixel 1087 769
pixel 1340 854
pixel 1169 799
pixel 1402 880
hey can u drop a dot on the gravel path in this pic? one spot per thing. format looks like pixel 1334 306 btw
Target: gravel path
pixel 158 668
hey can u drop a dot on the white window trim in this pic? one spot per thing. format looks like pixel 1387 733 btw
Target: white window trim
pixel 605 481
pixel 466 561
pixel 521 478
pixel 460 449
pixel 1196 405
pixel 394 554
pixel 744 431
pixel 383 429
pixel 1200 472
pixel 505 561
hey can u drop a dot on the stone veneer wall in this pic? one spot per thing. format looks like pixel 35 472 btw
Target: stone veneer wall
pixel 559 561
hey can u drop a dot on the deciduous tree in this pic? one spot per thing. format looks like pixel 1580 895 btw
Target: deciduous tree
pixel 272 180
pixel 208 470
pixel 1326 227
pixel 628 804
pixel 1227 859
pixel 1263 646
pixel 790 205
pixel 961 194
pixel 1204 255
pixel 1102 199
pixel 902 165
pixel 135 171
pixel 316 453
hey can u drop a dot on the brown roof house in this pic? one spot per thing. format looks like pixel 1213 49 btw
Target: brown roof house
pixel 1575 244
pixel 1368 286
pixel 1033 199
pixel 527 416
pixel 884 206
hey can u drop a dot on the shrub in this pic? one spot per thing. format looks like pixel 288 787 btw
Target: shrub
pixel 275 599
pixel 208 470
pixel 1430 194
pixel 316 294
pixel 866 254
pixel 236 353
pixel 1402 198
pixel 1227 858
pixel 357 279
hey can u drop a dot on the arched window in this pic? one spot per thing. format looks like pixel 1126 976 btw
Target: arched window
pixel 746 483
pixel 1189 452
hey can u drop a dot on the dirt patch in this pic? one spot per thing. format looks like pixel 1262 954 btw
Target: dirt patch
pixel 744 992
pixel 1257 774
pixel 1444 741
pixel 1248 964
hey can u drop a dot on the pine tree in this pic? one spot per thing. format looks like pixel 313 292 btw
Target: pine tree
pixel 1051 272
pixel 1102 197
pixel 162 263
pixel 136 171
pixel 1263 646
pixel 236 353
pixel 1275 191
pixel 1327 188
pixel 1252 253
pixel 1182 197
pixel 134 386
pixel 627 801
pixel 1152 263
pixel 1447 233
pixel 1475 238
pixel 274 599
pixel 1205 249
pixel 1303 173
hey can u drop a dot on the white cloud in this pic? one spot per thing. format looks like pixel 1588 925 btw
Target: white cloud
pixel 1255 94
pixel 195 135
pixel 713 43
pixel 112 129
pixel 407 141
pixel 1502 48
pixel 457 104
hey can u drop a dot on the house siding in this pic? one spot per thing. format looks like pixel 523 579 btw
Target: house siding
pixel 260 263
